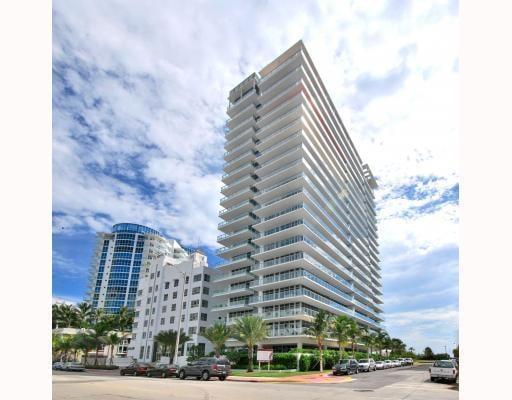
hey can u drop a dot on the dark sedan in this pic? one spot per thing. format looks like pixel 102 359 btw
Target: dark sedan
pixel 162 371
pixel 346 367
pixel 135 369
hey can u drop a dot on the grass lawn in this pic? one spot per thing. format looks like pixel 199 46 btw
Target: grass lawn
pixel 270 374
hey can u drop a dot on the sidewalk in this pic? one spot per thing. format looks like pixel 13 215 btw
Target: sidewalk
pixel 312 378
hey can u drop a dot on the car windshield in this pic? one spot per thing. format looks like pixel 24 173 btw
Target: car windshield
pixel 363 361
pixel 443 364
pixel 343 362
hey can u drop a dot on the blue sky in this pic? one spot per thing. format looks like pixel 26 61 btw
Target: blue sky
pixel 139 101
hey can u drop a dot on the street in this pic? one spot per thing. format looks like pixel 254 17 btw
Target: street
pixel 411 383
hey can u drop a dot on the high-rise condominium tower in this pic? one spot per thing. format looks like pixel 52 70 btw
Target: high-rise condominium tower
pixel 118 260
pixel 299 214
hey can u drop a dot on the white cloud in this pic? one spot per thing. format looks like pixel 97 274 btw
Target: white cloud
pixel 66 300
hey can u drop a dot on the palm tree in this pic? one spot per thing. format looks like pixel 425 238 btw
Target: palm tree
pixel 382 338
pixel 372 341
pixel 83 342
pixel 397 346
pixel 250 329
pixel 353 333
pixel 111 340
pixel 217 335
pixel 98 315
pixel 365 337
pixel 340 331
pixel 65 315
pixel 124 319
pixel 98 331
pixel 83 314
pixel 63 344
pixel 167 339
pixel 319 329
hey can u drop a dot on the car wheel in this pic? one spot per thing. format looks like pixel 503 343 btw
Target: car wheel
pixel 222 378
pixel 182 375
pixel 205 376
pixel 148 374
pixel 164 375
pixel 432 379
pixel 121 373
pixel 198 378
pixel 357 371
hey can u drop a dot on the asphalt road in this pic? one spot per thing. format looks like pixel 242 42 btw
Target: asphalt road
pixel 411 383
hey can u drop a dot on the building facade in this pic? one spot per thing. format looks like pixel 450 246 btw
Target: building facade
pixel 118 259
pixel 299 229
pixel 172 294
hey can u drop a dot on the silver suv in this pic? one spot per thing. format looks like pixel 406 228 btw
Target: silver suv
pixel 205 368
pixel 367 364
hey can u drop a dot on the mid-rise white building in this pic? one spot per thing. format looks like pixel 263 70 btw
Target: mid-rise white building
pixel 172 294
pixel 299 229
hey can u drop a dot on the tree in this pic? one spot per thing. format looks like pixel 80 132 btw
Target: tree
pixel 167 339
pixel 319 329
pixel 65 316
pixel 217 334
pixel 371 342
pixel 124 319
pixel 83 314
pixel 397 346
pixel 83 342
pixel 62 344
pixel 98 331
pixel 250 329
pixel 340 327
pixel 382 339
pixel 456 352
pixel 353 333
pixel 111 340
pixel 428 354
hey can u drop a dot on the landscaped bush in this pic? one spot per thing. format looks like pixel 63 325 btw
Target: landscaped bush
pixel 305 362
pixel 288 360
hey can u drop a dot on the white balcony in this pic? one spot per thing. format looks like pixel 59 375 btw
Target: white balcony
pixel 242 159
pixel 281 160
pixel 278 175
pixel 240 138
pixel 228 252
pixel 281 188
pixel 238 197
pixel 289 137
pixel 238 209
pixel 233 306
pixel 239 184
pixel 245 169
pixel 229 238
pixel 237 223
pixel 232 292
pixel 242 102
pixel 228 278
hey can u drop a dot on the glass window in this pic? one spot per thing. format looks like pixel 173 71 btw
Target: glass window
pixel 174 295
pixel 186 279
pixel 166 297
pixel 206 278
pixel 193 317
pixel 204 303
pixel 204 317
pixel 196 290
pixel 185 292
pixel 176 282
pixel 164 309
pixel 206 290
pixel 166 285
pixel 192 330
pixel 162 321
pixel 171 320
pixel 173 307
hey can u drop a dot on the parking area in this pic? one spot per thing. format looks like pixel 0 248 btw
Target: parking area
pixel 399 383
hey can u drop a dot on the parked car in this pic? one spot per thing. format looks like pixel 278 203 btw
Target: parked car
pixel 205 368
pixel 388 364
pixel 135 369
pixel 380 365
pixel 444 369
pixel 347 367
pixel 58 365
pixel 366 364
pixel 409 361
pixel 396 363
pixel 162 370
pixel 73 366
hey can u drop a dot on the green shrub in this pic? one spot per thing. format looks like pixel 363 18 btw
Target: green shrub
pixel 305 362
pixel 288 360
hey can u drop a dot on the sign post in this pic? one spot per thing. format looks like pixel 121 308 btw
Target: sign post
pixel 264 356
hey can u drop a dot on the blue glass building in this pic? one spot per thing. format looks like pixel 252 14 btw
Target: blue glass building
pixel 117 262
